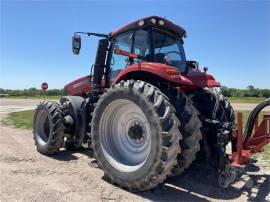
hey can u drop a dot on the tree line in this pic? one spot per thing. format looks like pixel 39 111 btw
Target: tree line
pixel 250 91
pixel 31 92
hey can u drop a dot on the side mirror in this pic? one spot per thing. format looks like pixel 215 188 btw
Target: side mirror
pixel 76 44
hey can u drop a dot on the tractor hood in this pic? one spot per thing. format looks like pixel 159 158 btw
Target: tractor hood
pixel 79 86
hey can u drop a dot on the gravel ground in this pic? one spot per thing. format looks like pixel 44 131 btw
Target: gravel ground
pixel 27 175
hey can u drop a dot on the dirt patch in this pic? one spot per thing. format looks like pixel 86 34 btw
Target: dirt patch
pixel 73 176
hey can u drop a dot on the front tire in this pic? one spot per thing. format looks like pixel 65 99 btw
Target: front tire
pixel 135 135
pixel 48 129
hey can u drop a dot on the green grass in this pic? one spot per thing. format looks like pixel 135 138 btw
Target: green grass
pixel 255 100
pixel 22 119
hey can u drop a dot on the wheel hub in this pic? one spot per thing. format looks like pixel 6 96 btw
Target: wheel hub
pixel 136 133
pixel 125 135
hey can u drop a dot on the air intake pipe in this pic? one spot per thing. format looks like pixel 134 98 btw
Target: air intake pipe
pixel 99 65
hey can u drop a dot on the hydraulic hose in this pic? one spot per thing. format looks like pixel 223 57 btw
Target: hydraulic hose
pixel 252 117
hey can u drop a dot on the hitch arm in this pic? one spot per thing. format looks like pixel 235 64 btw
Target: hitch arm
pixel 251 143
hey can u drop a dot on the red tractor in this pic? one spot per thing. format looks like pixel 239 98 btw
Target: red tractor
pixel 145 111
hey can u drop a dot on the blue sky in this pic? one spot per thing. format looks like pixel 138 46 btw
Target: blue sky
pixel 232 38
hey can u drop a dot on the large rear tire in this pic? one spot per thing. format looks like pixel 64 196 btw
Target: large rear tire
pixel 213 105
pixel 48 129
pixel 135 135
pixel 190 129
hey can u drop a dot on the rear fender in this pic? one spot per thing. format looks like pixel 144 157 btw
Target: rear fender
pixel 72 105
pixel 74 108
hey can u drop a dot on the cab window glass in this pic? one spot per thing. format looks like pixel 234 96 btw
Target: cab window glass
pixel 141 43
pixel 168 50
pixel 119 62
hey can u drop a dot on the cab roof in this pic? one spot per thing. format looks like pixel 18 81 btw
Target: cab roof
pixel 160 23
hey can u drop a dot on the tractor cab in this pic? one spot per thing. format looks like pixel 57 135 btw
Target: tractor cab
pixel 150 39
pixel 154 47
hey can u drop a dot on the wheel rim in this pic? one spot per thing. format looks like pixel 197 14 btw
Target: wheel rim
pixel 43 127
pixel 125 135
